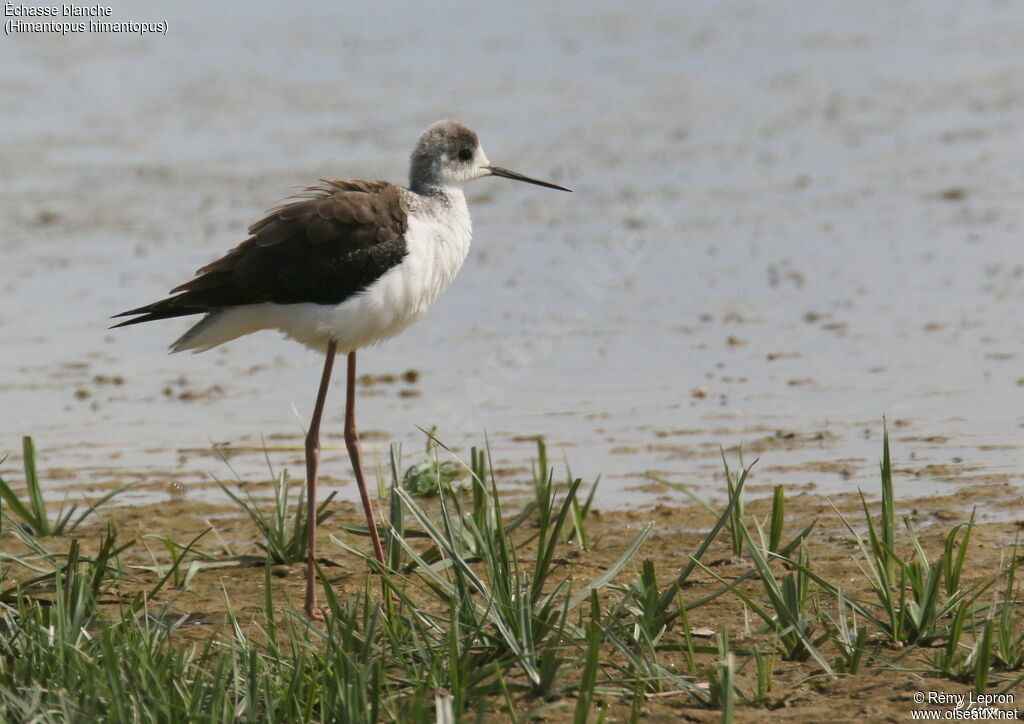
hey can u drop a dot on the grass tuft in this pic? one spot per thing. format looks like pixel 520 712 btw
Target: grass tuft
pixel 32 515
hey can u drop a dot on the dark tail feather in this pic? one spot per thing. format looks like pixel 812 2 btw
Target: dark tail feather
pixel 165 309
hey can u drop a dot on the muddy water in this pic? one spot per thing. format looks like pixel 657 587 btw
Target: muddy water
pixel 789 220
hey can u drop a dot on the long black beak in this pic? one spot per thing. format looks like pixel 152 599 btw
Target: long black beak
pixel 505 173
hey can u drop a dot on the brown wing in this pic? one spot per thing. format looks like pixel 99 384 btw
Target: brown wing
pixel 332 242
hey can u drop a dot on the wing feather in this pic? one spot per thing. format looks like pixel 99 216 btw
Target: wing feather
pixel 330 243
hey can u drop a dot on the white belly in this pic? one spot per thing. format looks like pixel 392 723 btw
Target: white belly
pixel 435 252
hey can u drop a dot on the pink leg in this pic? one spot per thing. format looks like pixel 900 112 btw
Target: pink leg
pixel 355 452
pixel 312 463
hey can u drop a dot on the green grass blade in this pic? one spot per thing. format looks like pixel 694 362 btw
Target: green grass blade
pixel 32 483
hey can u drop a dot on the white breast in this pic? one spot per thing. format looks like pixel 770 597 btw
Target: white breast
pixel 437 245
pixel 437 242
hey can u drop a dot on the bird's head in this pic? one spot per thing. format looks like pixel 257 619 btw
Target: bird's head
pixel 449 154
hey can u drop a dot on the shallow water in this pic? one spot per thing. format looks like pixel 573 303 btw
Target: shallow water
pixel 789 221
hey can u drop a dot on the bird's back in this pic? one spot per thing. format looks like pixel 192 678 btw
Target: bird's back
pixel 323 247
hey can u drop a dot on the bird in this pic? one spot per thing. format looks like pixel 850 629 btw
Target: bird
pixel 343 265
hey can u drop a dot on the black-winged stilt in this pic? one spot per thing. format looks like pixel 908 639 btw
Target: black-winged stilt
pixel 345 265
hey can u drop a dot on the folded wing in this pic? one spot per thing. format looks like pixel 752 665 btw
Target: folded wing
pixel 327 245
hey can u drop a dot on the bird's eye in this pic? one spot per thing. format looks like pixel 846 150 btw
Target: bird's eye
pixel 465 154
